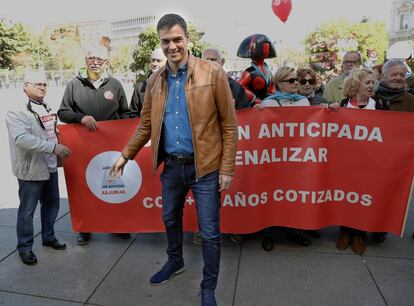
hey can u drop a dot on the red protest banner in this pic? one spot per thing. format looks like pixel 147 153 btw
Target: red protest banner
pixel 302 167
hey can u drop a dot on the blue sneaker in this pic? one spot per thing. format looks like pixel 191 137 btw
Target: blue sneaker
pixel 208 298
pixel 169 270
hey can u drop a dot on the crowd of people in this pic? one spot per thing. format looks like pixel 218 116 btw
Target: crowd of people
pixel 183 133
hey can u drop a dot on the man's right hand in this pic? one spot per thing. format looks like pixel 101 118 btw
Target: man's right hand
pixel 118 167
pixel 90 123
pixel 62 151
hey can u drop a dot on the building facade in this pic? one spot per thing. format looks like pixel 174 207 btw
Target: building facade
pixel 122 32
pixel 402 21
pixel 125 32
pixel 89 32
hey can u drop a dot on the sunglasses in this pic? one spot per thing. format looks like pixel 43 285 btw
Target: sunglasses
pixel 291 80
pixel 304 81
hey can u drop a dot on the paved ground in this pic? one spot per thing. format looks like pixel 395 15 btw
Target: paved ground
pixel 114 271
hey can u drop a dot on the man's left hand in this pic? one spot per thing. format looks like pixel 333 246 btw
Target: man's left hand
pixel 224 181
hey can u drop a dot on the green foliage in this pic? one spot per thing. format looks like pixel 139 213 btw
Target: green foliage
pixel 66 49
pixel 411 64
pixel 36 53
pixel 13 38
pixel 331 40
pixel 195 44
pixel 149 41
pixel 20 49
pixel 121 59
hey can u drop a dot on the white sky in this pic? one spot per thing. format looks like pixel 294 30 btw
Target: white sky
pixel 225 22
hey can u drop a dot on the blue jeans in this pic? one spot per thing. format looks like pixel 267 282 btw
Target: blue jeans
pixel 177 179
pixel 30 193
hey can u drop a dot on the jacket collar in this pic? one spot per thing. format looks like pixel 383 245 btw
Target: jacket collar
pixel 83 76
pixel 191 62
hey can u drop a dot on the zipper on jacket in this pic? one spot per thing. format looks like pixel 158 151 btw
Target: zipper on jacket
pixel 97 104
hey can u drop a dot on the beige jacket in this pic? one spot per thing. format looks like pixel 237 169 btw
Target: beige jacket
pixel 28 144
pixel 211 113
pixel 333 90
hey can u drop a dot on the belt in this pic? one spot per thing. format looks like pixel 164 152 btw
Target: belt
pixel 181 159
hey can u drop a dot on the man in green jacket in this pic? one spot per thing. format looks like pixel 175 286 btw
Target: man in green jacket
pixel 333 90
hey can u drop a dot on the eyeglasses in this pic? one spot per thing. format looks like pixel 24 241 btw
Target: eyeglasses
pixel 99 60
pixel 310 81
pixel 291 80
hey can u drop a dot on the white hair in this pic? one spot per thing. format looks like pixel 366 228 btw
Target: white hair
pixel 392 63
pixel 97 50
pixel 218 52
pixel 158 54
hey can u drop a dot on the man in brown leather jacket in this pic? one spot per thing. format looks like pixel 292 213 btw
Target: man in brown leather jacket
pixel 189 116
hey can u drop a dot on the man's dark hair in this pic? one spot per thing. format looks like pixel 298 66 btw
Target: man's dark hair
pixel 169 20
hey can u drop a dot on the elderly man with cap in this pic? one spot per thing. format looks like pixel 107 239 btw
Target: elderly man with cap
pixel 92 96
pixel 34 150
pixel 157 60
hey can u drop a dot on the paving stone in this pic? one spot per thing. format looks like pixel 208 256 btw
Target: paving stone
pixel 8 241
pixel 8 216
pixel 7 298
pixel 395 279
pixel 299 278
pixel 71 274
pixel 128 283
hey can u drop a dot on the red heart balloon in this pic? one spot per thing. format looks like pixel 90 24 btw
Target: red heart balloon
pixel 282 9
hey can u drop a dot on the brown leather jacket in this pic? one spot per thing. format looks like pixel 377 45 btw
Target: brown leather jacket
pixel 211 113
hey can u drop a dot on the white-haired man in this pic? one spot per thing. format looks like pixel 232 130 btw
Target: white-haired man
pixel 391 92
pixel 157 60
pixel 92 96
pixel 239 95
pixel 392 95
pixel 34 149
